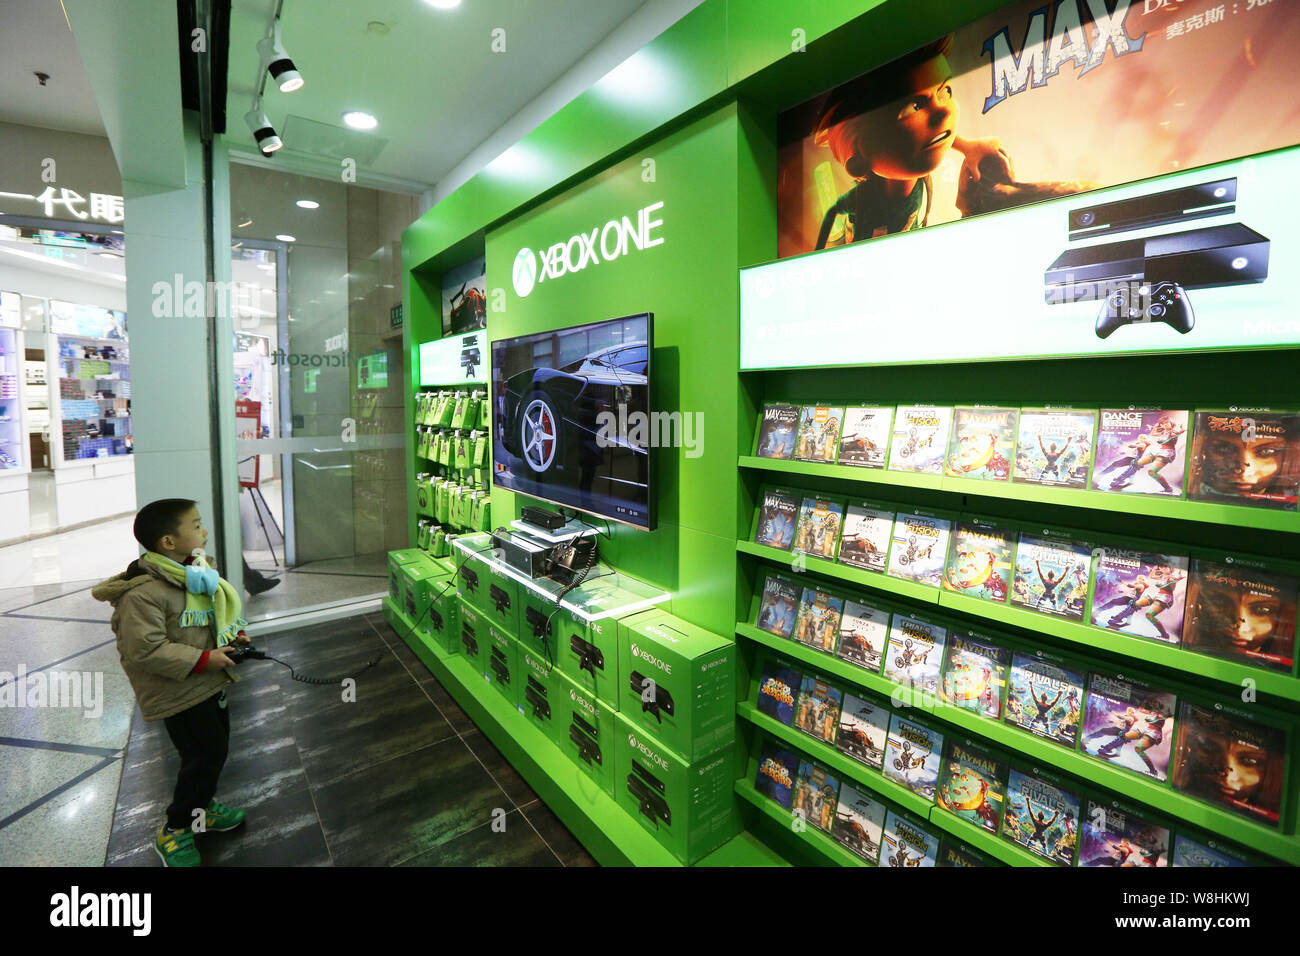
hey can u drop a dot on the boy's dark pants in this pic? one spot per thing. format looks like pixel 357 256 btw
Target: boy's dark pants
pixel 201 735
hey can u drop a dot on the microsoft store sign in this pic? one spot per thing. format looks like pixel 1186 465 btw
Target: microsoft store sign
pixel 615 239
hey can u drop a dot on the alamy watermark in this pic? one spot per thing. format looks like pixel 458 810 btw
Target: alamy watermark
pixel 651 430
pixel 81 690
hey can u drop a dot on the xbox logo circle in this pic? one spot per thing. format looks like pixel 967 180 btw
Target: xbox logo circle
pixel 524 272
pixel 573 695
pixel 631 741
pixel 636 651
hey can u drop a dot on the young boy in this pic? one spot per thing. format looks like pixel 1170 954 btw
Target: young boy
pixel 173 616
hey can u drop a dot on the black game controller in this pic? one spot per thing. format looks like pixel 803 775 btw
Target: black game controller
pixel 1150 302
pixel 243 652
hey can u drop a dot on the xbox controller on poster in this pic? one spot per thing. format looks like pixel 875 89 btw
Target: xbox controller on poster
pixel 1148 302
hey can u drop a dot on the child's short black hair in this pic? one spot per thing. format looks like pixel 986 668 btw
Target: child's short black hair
pixel 158 518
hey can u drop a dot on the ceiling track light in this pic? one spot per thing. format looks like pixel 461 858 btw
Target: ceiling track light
pixel 277 63
pixel 268 141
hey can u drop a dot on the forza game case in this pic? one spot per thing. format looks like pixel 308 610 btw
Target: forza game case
pixel 864 631
pixel 865 435
pixel 864 727
pixel 864 542
pixel 859 820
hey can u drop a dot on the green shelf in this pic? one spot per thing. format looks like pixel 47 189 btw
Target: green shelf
pixel 826 664
pixel 981 839
pixel 871 579
pixel 823 844
pixel 1235 516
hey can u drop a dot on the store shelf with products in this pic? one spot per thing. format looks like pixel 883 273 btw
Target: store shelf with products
pixel 13 420
pixel 93 397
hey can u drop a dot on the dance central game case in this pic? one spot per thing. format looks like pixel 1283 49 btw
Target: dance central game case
pixel 864 632
pixel 1129 725
pixel 1226 758
pixel 974 675
pixel 818 624
pixel 1051 574
pixel 776 518
pixel 979 561
pixel 819 433
pixel 864 437
pixel 1141 593
pixel 1054 447
pixel 777 765
pixel 779 606
pixel 1044 696
pixel 920 438
pixel 918 547
pixel 865 540
pixel 859 822
pixel 864 728
pixel 816 795
pixel 906 842
pixel 982 444
pixel 1042 815
pixel 817 712
pixel 777 689
pixel 1245 456
pixel 1141 451
pixel 913 753
pixel 1117 835
pixel 914 653
pixel 1241 612
pixel 818 529
pixel 973 784
pixel 776 431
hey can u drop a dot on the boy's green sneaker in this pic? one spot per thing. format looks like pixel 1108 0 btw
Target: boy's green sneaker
pixel 221 817
pixel 176 847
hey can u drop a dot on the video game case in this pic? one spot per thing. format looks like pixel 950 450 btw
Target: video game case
pixel 817 530
pixel 776 431
pixel 816 795
pixel 864 731
pixel 1190 851
pixel 1140 593
pixel 817 710
pixel 859 823
pixel 1116 834
pixel 1052 571
pixel 1141 451
pixel 1054 446
pixel 952 852
pixel 778 511
pixel 1044 696
pixel 1225 757
pixel 864 439
pixel 983 442
pixel 918 547
pixel 973 783
pixel 818 438
pixel 778 608
pixel 908 841
pixel 1129 725
pixel 1245 456
pixel 818 623
pixel 1240 609
pixel 974 675
pixel 979 562
pixel 919 441
pixel 913 753
pixel 778 765
pixel 864 542
pixel 778 689
pixel 914 654
pixel 1042 815
pixel 864 633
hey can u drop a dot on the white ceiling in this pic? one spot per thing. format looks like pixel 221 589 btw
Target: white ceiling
pixel 34 37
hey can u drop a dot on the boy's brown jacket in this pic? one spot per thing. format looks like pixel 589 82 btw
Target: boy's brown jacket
pixel 158 654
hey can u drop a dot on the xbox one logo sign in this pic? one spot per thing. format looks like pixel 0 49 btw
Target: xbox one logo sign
pixel 636 651
pixel 573 695
pixel 631 740
pixel 524 272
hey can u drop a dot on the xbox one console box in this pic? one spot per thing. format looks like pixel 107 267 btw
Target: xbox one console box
pixel 585 730
pixel 538 693
pixel 690 808
pixel 502 670
pixel 501 600
pixel 442 622
pixel 396 560
pixel 678 682
pixel 475 640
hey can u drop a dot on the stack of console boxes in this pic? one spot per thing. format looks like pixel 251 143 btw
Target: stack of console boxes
pixel 642 704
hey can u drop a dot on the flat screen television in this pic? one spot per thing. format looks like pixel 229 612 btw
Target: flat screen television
pixel 566 405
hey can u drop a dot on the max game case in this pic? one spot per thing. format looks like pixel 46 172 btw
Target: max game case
pixel 779 606
pixel 1227 759
pixel 1141 593
pixel 777 765
pixel 920 438
pixel 776 431
pixel 906 843
pixel 776 518
pixel 974 675
pixel 973 784
pixel 1051 574
pixel 1141 451
pixel 819 433
pixel 1044 697
pixel 818 623
pixel 913 753
pixel 864 728
pixel 1190 852
pixel 777 690
pixel 864 632
pixel 914 654
pixel 1054 447
pixel 818 530
pixel 816 795
pixel 1129 725
pixel 859 821
pixel 1042 817
pixel 1245 456
pixel 918 548
pixel 982 444
pixel 864 438
pixel 979 561
pixel 817 712
pixel 1242 613
pixel 1113 835
pixel 865 540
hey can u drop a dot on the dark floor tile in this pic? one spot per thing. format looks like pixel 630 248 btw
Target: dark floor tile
pixel 517 845
pixel 404 807
pixel 443 700
pixel 556 836
pixel 505 775
pixel 283 831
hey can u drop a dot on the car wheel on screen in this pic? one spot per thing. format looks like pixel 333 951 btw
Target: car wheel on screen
pixel 539 432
